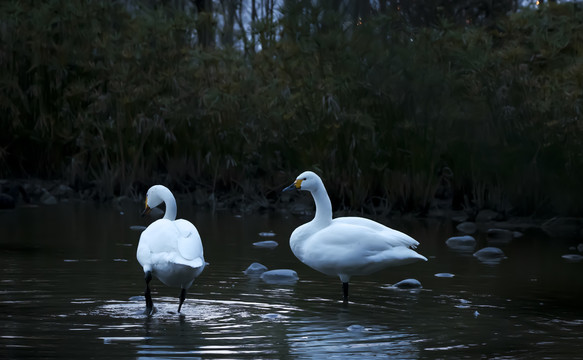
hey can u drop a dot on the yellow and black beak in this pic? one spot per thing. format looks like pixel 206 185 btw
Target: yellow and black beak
pixel 296 185
pixel 147 209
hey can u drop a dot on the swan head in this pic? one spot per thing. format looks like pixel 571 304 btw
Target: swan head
pixel 154 197
pixel 306 181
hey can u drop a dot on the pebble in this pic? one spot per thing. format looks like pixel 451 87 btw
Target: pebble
pixel 356 328
pixel 269 244
pixel 573 257
pixel 444 275
pixel 267 234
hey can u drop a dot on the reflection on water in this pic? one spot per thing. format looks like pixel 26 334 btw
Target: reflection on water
pixel 71 287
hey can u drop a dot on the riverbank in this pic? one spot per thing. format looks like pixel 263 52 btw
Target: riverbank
pixel 36 192
pixel 392 117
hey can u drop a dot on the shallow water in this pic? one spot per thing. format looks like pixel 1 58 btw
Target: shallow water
pixel 71 287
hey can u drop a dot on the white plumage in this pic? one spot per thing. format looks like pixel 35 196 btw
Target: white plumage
pixel 346 246
pixel 169 249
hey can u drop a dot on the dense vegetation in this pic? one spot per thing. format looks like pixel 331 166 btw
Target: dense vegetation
pixel 390 113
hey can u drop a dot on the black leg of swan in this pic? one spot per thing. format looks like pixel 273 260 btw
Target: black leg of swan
pixel 147 295
pixel 345 291
pixel 182 297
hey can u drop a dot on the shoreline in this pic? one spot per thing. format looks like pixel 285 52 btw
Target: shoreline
pixel 15 193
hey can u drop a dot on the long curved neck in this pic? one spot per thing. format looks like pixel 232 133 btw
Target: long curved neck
pixel 323 206
pixel 170 203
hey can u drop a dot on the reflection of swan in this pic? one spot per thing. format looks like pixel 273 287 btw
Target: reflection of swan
pixel 346 246
pixel 169 249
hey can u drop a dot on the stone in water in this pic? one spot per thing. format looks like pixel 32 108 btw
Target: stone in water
pixel 489 255
pixel 269 244
pixel 444 275
pixel 465 242
pixel 280 276
pixel 408 284
pixel 255 269
pixel 467 227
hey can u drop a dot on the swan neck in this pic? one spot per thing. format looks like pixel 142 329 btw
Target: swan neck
pixel 323 206
pixel 170 203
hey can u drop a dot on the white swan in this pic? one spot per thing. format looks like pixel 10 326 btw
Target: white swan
pixel 169 249
pixel 346 246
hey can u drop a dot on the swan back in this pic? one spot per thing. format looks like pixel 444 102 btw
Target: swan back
pixel 346 246
pixel 171 249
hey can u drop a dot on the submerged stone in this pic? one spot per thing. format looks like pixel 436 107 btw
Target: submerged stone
pixel 356 328
pixel 444 275
pixel 465 242
pixel 272 316
pixel 490 255
pixel 489 252
pixel 255 269
pixel 269 244
pixel 500 234
pixel 408 284
pixel 280 276
pixel 267 234
pixel 486 215
pixel 563 227
pixel 572 257
pixel 467 227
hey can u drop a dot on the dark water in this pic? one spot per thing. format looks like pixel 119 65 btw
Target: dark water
pixel 71 288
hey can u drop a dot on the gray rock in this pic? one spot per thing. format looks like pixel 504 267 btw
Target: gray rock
pixel 269 244
pixel 465 242
pixel 280 276
pixel 490 255
pixel 486 215
pixel 500 234
pixel 563 227
pixel 63 191
pixel 572 257
pixel 356 328
pixel 267 234
pixel 408 284
pixel 444 275
pixel 255 269
pixel 467 227
pixel 47 198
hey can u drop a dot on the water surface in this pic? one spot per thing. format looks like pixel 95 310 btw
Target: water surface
pixel 71 287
